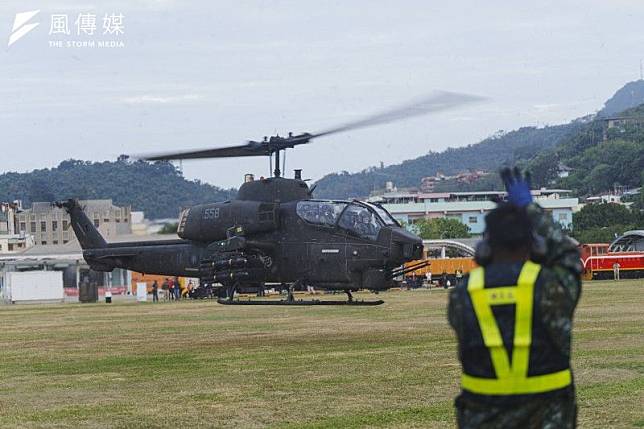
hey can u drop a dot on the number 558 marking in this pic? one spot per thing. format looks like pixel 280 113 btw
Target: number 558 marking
pixel 212 213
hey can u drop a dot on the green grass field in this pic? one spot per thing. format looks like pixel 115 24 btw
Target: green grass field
pixel 199 364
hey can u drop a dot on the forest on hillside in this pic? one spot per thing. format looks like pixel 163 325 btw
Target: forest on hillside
pixel 540 149
pixel 159 189
pixel 600 157
pixel 490 154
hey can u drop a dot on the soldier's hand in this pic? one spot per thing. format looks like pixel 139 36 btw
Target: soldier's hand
pixel 518 186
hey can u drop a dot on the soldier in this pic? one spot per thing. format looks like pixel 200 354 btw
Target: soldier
pixel 513 319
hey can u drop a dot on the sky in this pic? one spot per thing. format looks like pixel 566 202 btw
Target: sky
pixel 204 74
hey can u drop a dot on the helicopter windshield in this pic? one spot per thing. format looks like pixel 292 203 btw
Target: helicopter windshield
pixel 357 218
pixel 361 221
pixel 384 214
pixel 320 212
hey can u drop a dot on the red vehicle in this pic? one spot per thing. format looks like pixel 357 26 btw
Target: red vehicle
pixel 599 259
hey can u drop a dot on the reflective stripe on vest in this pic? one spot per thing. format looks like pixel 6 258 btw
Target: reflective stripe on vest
pixel 511 378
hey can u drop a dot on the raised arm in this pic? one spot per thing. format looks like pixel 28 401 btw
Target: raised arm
pixel 561 274
pixel 560 255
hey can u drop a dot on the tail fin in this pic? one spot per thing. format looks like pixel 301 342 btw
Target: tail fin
pixel 86 233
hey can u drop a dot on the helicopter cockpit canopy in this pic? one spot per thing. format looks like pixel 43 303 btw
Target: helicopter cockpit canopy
pixel 320 212
pixel 384 214
pixel 362 219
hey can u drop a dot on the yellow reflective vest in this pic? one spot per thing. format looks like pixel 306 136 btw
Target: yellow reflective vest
pixel 511 372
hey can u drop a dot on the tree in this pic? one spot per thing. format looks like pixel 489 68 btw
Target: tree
pixel 599 167
pixel 544 168
pixel 601 234
pixel 641 199
pixel 439 228
pixel 602 215
pixel 602 223
pixel 41 190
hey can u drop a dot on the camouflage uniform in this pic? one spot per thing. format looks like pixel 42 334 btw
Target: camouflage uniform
pixel 560 290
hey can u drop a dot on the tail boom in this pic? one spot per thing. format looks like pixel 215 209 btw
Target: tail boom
pixel 86 233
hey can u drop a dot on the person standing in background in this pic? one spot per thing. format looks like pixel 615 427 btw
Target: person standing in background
pixel 165 287
pixel 177 289
pixel 155 291
pixel 616 268
pixel 171 289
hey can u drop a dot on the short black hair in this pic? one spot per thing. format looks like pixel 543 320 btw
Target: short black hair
pixel 508 227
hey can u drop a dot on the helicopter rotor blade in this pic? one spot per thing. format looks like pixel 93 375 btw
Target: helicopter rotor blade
pixel 249 149
pixel 436 102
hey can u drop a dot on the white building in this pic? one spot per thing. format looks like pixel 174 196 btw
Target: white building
pixel 620 195
pixel 470 208
pixel 68 258
pixel 11 240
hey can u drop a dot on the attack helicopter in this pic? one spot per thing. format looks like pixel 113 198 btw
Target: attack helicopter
pixel 274 231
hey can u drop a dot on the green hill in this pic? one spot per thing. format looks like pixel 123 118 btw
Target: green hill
pixel 600 157
pixel 490 154
pixel 627 97
pixel 157 188
pixel 527 146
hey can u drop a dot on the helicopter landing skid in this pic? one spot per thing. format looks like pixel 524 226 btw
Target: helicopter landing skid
pixel 298 302
pixel 292 301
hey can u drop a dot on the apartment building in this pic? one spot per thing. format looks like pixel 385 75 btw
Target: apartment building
pixel 470 208
pixel 50 225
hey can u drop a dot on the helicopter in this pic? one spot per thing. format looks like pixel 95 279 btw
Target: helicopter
pixel 274 231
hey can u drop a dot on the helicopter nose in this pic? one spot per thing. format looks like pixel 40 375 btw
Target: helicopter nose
pixel 413 251
pixel 410 246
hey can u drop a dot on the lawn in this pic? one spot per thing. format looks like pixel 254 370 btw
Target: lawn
pixel 199 364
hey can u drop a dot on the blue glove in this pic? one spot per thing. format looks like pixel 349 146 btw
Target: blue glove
pixel 518 187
